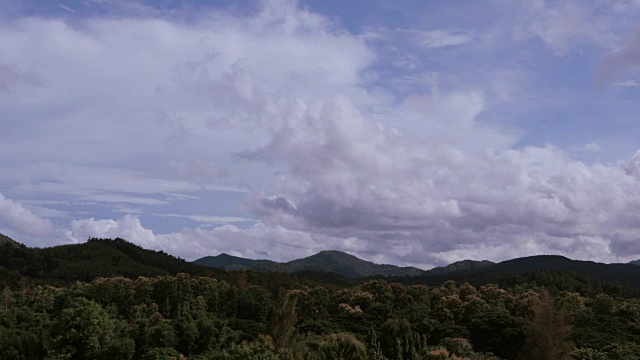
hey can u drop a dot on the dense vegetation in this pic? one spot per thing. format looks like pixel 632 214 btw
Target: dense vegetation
pixel 109 299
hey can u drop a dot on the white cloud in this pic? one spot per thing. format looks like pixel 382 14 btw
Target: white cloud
pixel 28 228
pixel 127 227
pixel 633 168
pixel 209 218
pixel 66 8
pixel 292 109
pixel 591 147
pixel 626 83
pixel 15 215
pixel 438 38
pixel 565 26
pixel 347 177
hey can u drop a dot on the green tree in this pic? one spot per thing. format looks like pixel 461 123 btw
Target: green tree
pixel 498 332
pixel 83 330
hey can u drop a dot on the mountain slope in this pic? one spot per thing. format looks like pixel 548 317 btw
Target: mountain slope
pixel 464 265
pixel 230 262
pixel 635 262
pixel 330 261
pixel 542 268
pixel 95 258
pixel 349 266
pixel 4 239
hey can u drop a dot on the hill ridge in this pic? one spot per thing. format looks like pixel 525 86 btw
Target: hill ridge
pixel 335 261
pixel 5 239
pixel 107 258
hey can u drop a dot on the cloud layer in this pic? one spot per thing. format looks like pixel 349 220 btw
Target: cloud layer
pixel 280 133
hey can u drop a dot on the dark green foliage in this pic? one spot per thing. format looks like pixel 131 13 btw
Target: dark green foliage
pixel 204 318
pixel 24 333
pixel 166 353
pixel 83 329
pixel 397 340
pixel 498 332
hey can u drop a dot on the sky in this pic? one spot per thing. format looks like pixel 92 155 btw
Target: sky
pixel 404 132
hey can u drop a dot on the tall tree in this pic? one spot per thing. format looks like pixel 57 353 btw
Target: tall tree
pixel 548 333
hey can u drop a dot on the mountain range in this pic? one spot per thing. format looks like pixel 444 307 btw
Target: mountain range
pixel 338 262
pixel 106 257
pixel 467 270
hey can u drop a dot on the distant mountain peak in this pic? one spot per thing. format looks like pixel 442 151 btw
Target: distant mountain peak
pixel 329 261
pixel 333 253
pixel 463 265
pixel 230 262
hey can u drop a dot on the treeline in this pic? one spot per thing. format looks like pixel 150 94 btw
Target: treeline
pixel 202 317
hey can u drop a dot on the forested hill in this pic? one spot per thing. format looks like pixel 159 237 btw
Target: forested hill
pixel 475 272
pixel 86 261
pixel 464 265
pixel 330 261
pixel 230 262
pixel 635 262
pixel 349 265
pixel 106 258
pixel 5 239
pixel 103 258
pixel 546 270
pixel 623 273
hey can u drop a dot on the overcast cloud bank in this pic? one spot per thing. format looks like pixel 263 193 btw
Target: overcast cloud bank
pixel 114 122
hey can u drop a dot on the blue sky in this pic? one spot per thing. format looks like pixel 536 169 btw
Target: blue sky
pixel 406 132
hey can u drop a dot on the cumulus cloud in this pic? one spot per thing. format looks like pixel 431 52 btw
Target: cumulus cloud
pixel 633 168
pixel 420 201
pixel 23 220
pixel 256 241
pixel 290 108
pixel 127 227
pixel 27 227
